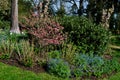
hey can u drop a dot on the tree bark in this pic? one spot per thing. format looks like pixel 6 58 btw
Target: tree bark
pixel 14 17
pixel 80 7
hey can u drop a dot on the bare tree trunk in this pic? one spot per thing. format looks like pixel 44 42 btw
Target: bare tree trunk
pixel 80 7
pixel 14 17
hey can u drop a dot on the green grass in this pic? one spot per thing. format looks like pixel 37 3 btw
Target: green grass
pixel 116 54
pixel 115 40
pixel 13 73
pixel 115 77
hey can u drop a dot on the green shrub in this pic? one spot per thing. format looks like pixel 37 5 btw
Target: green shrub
pixel 88 65
pixel 88 36
pixel 6 35
pixel 4 24
pixel 54 54
pixel 69 51
pixel 3 35
pixel 77 72
pixel 59 68
pixel 17 37
pixel 5 56
pixel 4 9
pixel 6 46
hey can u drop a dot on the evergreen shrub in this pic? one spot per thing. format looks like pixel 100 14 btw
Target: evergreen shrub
pixel 88 36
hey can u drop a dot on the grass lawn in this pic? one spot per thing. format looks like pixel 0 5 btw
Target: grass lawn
pixel 115 77
pixel 13 73
pixel 116 54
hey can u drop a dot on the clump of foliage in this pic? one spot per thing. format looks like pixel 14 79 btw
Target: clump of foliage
pixel 6 45
pixel 6 49
pixel 87 36
pixel 24 7
pixel 54 54
pixel 4 14
pixel 4 8
pixel 69 51
pixel 4 24
pixel 45 30
pixel 59 68
pixel 25 53
pixel 86 65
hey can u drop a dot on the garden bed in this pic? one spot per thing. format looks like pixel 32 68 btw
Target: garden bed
pixel 82 53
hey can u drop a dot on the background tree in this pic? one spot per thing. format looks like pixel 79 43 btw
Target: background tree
pixel 24 7
pixel 4 9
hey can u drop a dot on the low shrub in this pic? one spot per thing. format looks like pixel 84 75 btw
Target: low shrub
pixel 54 54
pixel 4 24
pixel 68 51
pixel 44 30
pixel 58 67
pixel 88 36
pixel 3 35
pixel 88 65
pixel 17 37
pixel 6 35
pixel 77 72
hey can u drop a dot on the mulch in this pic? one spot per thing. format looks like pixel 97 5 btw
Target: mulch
pixel 13 62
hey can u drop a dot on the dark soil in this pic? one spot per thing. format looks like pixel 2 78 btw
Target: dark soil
pixel 107 56
pixel 36 68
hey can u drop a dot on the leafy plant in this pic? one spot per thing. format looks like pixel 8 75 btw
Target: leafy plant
pixel 25 52
pixel 69 51
pixel 54 54
pixel 4 9
pixel 59 68
pixel 89 65
pixel 44 30
pixel 87 36
pixel 17 37
pixel 6 49
pixel 78 72
pixel 4 24
pixel 3 35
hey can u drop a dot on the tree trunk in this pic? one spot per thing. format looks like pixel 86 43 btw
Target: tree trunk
pixel 80 7
pixel 14 17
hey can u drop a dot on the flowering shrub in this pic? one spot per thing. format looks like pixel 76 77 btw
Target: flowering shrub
pixel 49 34
pixel 45 30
